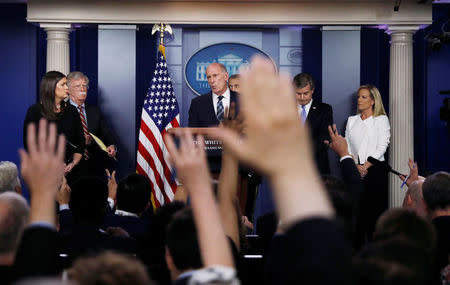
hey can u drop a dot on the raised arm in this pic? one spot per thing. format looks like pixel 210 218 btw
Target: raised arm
pixel 228 182
pixel 42 168
pixel 192 169
pixel 277 144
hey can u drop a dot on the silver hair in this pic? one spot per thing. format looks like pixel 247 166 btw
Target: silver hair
pixel 13 219
pixel 75 75
pixel 9 176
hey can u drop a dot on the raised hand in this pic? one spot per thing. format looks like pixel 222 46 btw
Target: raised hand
pixel 192 169
pixel 189 159
pixel 277 143
pixel 42 168
pixel 413 172
pixel 337 142
pixel 112 184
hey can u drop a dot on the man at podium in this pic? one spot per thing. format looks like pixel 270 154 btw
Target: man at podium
pixel 208 109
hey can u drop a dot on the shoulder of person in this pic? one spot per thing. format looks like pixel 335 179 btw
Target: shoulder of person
pixel 202 98
pixel 352 118
pixel 381 118
pixel 323 105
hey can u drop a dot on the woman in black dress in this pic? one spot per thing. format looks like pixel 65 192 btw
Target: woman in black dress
pixel 52 106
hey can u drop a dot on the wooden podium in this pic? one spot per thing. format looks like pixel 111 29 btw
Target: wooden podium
pixel 214 149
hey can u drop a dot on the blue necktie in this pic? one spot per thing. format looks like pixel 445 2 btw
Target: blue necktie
pixel 220 109
pixel 303 113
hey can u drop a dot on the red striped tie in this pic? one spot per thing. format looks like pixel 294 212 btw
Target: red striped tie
pixel 85 129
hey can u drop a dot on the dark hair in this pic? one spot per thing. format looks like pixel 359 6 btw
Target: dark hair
pixel 182 241
pixel 392 262
pixel 133 193
pixel 341 200
pixel 407 224
pixel 436 191
pixel 109 268
pixel 304 79
pixel 234 76
pixel 88 200
pixel 47 93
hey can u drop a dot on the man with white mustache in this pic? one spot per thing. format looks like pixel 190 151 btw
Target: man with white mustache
pixel 93 123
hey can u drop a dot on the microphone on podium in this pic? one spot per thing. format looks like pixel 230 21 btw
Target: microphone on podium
pixel 382 164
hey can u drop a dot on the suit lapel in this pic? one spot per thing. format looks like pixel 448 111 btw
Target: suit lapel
pixel 313 113
pixel 212 113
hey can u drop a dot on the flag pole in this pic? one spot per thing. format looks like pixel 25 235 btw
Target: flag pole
pixel 161 28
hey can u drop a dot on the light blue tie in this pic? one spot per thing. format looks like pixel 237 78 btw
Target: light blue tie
pixel 220 109
pixel 303 113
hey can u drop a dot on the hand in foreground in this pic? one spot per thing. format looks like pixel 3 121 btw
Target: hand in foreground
pixel 275 138
pixel 42 168
pixel 337 142
pixel 192 169
pixel 413 172
pixel 189 160
pixel 112 184
pixel 277 144
pixel 233 121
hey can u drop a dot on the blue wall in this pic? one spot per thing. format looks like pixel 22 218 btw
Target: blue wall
pixel 17 76
pixel 435 135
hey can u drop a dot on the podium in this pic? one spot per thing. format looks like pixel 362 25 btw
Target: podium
pixel 214 150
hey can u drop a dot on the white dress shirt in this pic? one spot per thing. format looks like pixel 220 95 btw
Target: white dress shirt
pixel 225 100
pixel 307 108
pixel 369 137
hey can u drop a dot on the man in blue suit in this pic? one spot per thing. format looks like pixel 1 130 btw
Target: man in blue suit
pixel 208 110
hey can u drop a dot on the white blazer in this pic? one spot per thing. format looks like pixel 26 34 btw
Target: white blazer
pixel 369 137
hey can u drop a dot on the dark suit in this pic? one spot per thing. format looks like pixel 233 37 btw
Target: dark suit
pixel 98 160
pixel 312 251
pixel 85 238
pixel 37 254
pixel 320 116
pixel 201 111
pixel 355 187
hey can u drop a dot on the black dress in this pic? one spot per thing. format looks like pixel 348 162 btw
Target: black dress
pixel 68 123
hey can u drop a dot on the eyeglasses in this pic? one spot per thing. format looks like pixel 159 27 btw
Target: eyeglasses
pixel 78 86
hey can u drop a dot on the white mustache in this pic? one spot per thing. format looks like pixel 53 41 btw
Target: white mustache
pixel 82 93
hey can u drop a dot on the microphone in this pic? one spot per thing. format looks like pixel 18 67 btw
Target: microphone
pixel 382 164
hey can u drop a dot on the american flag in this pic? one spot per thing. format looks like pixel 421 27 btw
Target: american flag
pixel 159 113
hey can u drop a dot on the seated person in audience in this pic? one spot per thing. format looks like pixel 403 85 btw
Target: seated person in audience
pixel 88 204
pixel 406 224
pixel 133 204
pixel 182 251
pixel 13 218
pixel 392 262
pixel 153 250
pixel 9 177
pixel 436 193
pixel 414 199
pixel 108 268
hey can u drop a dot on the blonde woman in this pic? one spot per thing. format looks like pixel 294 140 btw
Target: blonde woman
pixel 368 134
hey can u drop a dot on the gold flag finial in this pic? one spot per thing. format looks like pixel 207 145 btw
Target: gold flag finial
pixel 161 27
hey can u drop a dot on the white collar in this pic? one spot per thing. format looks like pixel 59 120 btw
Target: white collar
pixel 226 95
pixel 76 105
